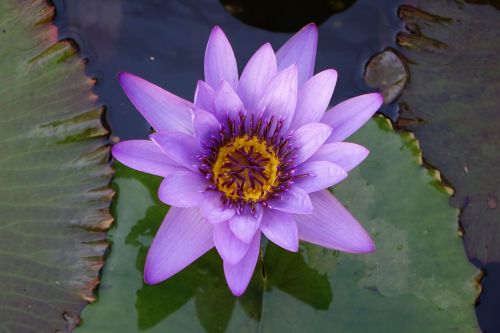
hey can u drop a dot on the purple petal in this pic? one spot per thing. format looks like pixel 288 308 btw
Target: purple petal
pixel 205 126
pixel 332 226
pixel 281 229
pixel 293 200
pixel 163 110
pixel 227 102
pixel 309 138
pixel 260 69
pixel 280 96
pixel 230 247
pixel 245 225
pixel 347 117
pixel 182 189
pixel 314 97
pixel 204 97
pixel 145 156
pixel 320 175
pixel 180 147
pixel 300 49
pixel 238 276
pixel 220 63
pixel 212 208
pixel 182 238
pixel 344 154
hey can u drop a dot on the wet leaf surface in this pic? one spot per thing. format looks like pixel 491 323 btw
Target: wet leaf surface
pixel 452 104
pixel 53 173
pixel 419 273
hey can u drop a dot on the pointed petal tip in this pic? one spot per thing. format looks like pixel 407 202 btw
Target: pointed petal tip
pixel 218 33
pixel 301 50
pixel 368 247
pixel 364 244
pixel 292 73
pixel 311 28
pixel 348 116
pixel 144 156
pixel 311 25
pixel 292 67
pixel 332 226
pixel 365 151
pixel 148 279
pixel 114 149
pixel 123 76
pixel 266 47
pixel 238 276
pixel 373 247
pixel 332 73
pixel 182 238
pixel 292 248
pixel 220 62
pixel 378 98
pixel 150 275
pixel 216 28
pixel 363 247
pixel 152 101
pixel 236 291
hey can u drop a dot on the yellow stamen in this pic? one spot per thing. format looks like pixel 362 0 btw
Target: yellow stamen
pixel 246 169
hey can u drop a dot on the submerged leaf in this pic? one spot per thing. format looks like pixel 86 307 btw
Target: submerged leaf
pixel 54 175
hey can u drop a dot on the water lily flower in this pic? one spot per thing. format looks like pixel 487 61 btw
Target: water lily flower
pixel 253 154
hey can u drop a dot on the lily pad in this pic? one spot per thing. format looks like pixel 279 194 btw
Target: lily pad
pixel 419 274
pixel 451 104
pixel 54 175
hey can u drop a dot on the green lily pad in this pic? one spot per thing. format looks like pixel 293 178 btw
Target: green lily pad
pixel 54 175
pixel 419 274
pixel 451 104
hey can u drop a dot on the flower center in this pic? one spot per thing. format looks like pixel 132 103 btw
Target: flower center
pixel 250 162
pixel 246 168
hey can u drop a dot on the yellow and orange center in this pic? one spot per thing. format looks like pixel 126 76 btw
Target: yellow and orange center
pixel 246 168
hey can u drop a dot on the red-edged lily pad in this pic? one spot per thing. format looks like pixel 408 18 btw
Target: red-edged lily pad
pixel 54 175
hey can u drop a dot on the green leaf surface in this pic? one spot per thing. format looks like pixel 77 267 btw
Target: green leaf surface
pixel 54 175
pixel 419 276
pixel 452 105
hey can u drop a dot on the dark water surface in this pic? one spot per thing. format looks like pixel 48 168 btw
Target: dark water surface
pixel 164 42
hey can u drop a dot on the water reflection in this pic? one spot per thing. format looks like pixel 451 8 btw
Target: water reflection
pixel 204 282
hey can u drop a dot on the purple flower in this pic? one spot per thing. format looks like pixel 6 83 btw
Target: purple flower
pixel 253 154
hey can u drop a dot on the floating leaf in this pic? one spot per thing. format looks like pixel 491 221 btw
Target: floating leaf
pixel 387 72
pixel 419 274
pixel 452 104
pixel 54 175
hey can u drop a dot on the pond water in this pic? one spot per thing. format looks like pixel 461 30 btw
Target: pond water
pixel 164 42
